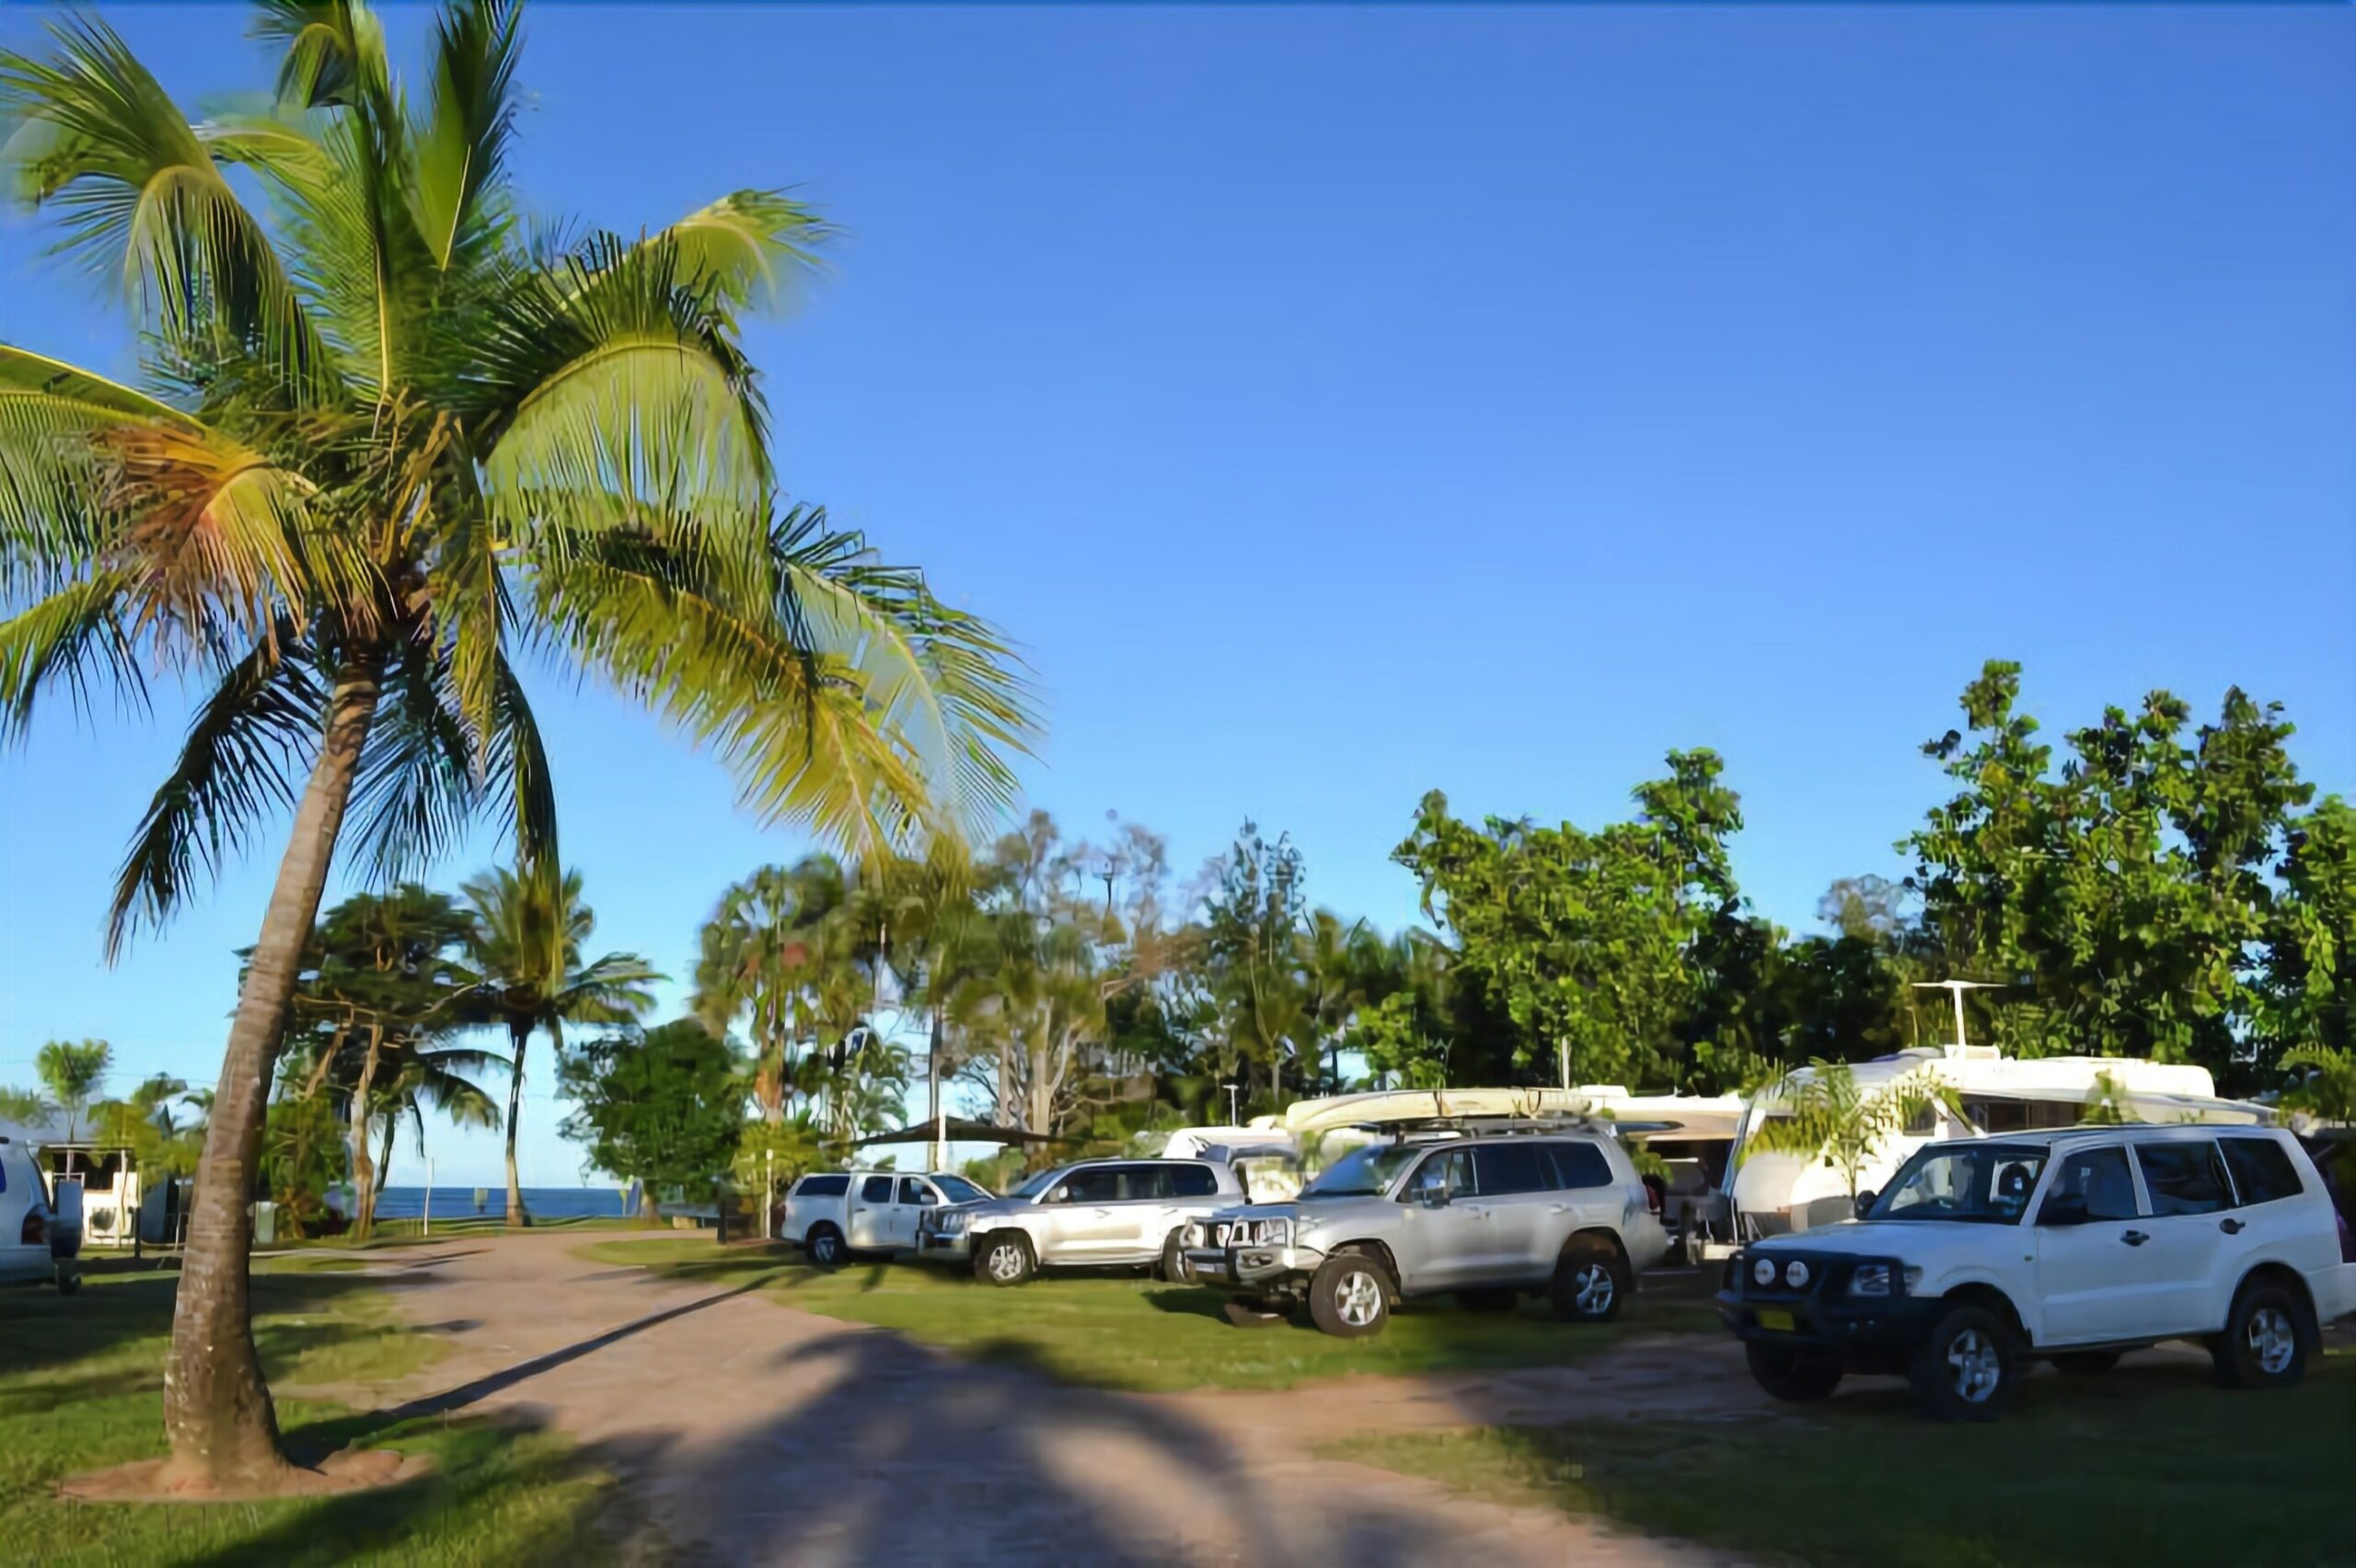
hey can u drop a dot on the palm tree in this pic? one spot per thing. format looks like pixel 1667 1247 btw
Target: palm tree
pixel 433 1079
pixel 71 1075
pixel 530 928
pixel 385 435
pixel 30 1107
pixel 763 952
pixel 1823 1112
pixel 153 1099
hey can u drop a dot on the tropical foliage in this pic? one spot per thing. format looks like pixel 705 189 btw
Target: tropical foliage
pixel 663 1107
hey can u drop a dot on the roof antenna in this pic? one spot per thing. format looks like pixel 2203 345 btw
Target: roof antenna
pixel 1956 988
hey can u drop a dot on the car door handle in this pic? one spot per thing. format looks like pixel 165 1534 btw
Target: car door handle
pixel 2135 1237
pixel 2232 1226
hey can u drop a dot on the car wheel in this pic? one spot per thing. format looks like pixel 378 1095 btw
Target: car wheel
pixel 825 1245
pixel 2266 1339
pixel 1350 1297
pixel 1591 1280
pixel 1967 1368
pixel 1487 1300
pixel 1174 1266
pixel 1251 1314
pixel 69 1280
pixel 1004 1257
pixel 2086 1363
pixel 1791 1374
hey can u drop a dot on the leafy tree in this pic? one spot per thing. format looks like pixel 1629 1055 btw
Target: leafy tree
pixel 761 962
pixel 1254 922
pixel 1822 1112
pixel 71 1074
pixel 26 1107
pixel 2123 893
pixel 528 931
pixel 386 433
pixel 665 1107
pixel 436 1080
pixel 2308 979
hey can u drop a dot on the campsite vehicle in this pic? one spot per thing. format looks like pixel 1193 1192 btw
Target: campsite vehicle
pixel 1995 1096
pixel 2067 1246
pixel 1489 1210
pixel 40 1237
pixel 833 1214
pixel 1098 1213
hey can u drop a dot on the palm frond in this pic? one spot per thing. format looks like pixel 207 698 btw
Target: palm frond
pixel 416 784
pixel 54 469
pixel 459 151
pixel 76 630
pixel 751 248
pixel 137 194
pixel 234 766
pixel 335 51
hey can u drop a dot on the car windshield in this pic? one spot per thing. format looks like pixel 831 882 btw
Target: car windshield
pixel 1364 1173
pixel 1980 1182
pixel 1036 1185
pixel 957 1189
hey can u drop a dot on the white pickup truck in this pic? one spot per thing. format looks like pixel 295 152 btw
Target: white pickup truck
pixel 833 1214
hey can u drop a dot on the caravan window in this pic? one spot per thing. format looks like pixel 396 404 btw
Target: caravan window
pixel 1999 1116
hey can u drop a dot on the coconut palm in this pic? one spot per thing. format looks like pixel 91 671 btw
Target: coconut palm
pixel 530 926
pixel 383 437
pixel 71 1073
pixel 154 1098
pixel 435 1081
pixel 763 953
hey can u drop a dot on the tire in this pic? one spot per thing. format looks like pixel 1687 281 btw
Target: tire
pixel 1591 1279
pixel 1175 1269
pixel 1350 1297
pixel 1487 1300
pixel 1791 1374
pixel 69 1280
pixel 1250 1314
pixel 824 1244
pixel 1004 1258
pixel 1967 1368
pixel 2086 1363
pixel 2266 1338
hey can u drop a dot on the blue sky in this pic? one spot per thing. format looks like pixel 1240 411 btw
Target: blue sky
pixel 1341 403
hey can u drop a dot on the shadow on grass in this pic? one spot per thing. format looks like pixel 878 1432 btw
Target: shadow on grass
pixel 116 1309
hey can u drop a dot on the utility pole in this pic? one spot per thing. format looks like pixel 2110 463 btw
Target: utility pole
pixel 1231 1111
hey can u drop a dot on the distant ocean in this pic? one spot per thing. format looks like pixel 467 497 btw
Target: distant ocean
pixel 548 1203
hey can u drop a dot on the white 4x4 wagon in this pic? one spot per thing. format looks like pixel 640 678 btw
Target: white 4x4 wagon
pixel 2069 1246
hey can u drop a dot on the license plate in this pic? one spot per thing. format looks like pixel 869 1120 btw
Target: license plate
pixel 1777 1319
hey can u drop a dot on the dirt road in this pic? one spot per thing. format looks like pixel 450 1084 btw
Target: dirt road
pixel 747 1432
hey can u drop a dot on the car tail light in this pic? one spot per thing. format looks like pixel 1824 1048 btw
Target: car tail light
pixel 2346 1240
pixel 35 1237
pixel 1652 1191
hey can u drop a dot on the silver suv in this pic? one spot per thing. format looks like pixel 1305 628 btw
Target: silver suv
pixel 1485 1214
pixel 1099 1213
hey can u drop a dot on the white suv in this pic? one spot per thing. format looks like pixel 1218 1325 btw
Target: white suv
pixel 833 1214
pixel 2070 1247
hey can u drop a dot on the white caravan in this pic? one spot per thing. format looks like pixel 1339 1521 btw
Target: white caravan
pixel 1774 1193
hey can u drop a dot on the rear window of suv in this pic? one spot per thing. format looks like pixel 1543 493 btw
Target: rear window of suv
pixel 1579 1165
pixel 2263 1172
pixel 823 1187
pixel 2183 1178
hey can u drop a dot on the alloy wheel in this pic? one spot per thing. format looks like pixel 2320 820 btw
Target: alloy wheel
pixel 2273 1340
pixel 1359 1299
pixel 1595 1285
pixel 1974 1366
pixel 1006 1262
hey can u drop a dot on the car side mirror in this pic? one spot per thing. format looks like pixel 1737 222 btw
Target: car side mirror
pixel 2063 1209
pixel 1433 1197
pixel 1057 1195
pixel 1865 1201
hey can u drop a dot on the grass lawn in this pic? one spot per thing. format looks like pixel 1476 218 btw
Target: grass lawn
pixel 1123 1332
pixel 411 1233
pixel 81 1388
pixel 2148 1465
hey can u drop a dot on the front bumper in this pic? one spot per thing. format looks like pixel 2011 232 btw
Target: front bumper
pixel 943 1247
pixel 1261 1270
pixel 1825 1316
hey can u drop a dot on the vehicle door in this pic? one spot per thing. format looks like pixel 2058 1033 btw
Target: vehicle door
pixel 1517 1182
pixel 2094 1281
pixel 2190 1197
pixel 1084 1217
pixel 1589 1195
pixel 869 1215
pixel 916 1196
pixel 1142 1216
pixel 2269 1219
pixel 1441 1236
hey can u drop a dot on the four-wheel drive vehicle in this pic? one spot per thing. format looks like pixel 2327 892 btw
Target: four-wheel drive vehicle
pixel 40 1238
pixel 2070 1247
pixel 1099 1213
pixel 1488 1215
pixel 834 1214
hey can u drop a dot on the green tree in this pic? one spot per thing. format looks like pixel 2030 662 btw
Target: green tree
pixel 665 1107
pixel 386 434
pixel 764 954
pixel 26 1107
pixel 1821 1111
pixel 1253 923
pixel 2307 981
pixel 528 931
pixel 71 1075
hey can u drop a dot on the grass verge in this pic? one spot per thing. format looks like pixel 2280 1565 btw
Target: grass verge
pixel 1121 1331
pixel 81 1388
pixel 2150 1464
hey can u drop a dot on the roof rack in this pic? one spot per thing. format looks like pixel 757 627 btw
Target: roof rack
pixel 1473 1125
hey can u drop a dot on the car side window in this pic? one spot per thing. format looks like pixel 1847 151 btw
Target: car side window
pixel 1450 1170
pixel 915 1192
pixel 1504 1169
pixel 1578 1165
pixel 875 1190
pixel 1192 1181
pixel 2093 1184
pixel 2263 1171
pixel 1097 1185
pixel 1145 1183
pixel 2183 1178
pixel 823 1187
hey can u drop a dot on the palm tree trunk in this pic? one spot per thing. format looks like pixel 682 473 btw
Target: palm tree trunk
pixel 363 1169
pixel 521 1034
pixel 384 1157
pixel 217 1411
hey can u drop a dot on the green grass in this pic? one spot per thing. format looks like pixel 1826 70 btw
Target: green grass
pixel 1121 1331
pixel 81 1381
pixel 2149 1465
pixel 411 1233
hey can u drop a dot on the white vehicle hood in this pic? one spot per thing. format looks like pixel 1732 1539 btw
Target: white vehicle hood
pixel 1888 1238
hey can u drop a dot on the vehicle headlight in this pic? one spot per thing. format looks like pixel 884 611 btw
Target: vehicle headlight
pixel 1251 1233
pixel 1796 1275
pixel 1763 1271
pixel 1870 1279
pixel 953 1222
